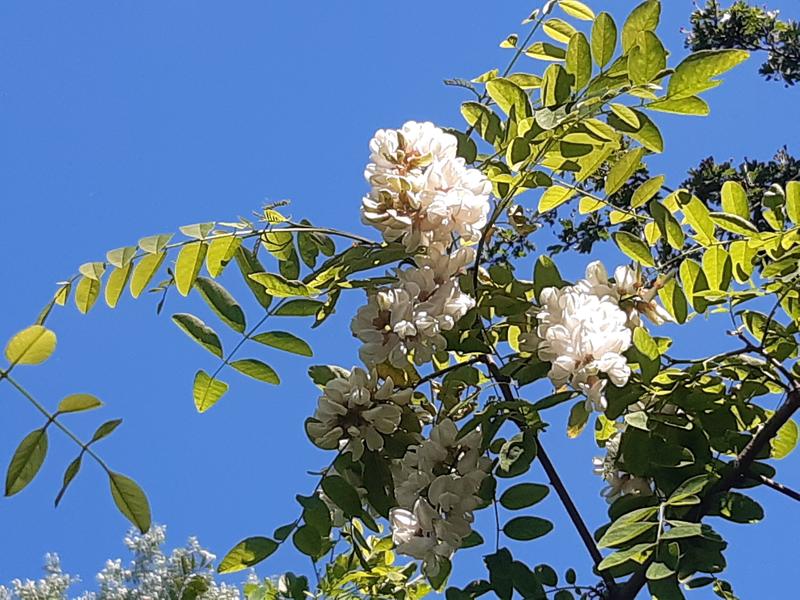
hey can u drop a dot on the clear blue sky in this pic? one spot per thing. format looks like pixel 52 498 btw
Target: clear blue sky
pixel 122 119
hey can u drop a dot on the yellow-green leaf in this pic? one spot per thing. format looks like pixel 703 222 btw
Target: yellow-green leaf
pixel 644 17
pixel 647 58
pixel 604 39
pixel 674 300
pixel 222 303
pixel 154 244
pixel 734 224
pixel 695 74
pixel 545 51
pixel 625 167
pixel 279 286
pixel 559 30
pixel 121 257
pixel 92 270
pixel 198 231
pixel 31 346
pixel 247 553
pixel 694 281
pixel 785 441
pixel 116 283
pixel 646 132
pixel 509 95
pixel 579 60
pixel 634 248
pixel 284 341
pixel 207 391
pixel 199 332
pixel 734 199
pixel 144 271
pixel 279 243
pixel 187 266
pixel 645 192
pixel 86 294
pixel 698 216
pixel 742 256
pixel 717 267
pixel 793 201
pixel 257 370
pixel 691 105
pixel 576 9
pixel 221 251
pixel 553 197
pixel 78 403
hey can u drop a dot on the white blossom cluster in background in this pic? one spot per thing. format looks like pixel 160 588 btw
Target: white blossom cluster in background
pixel 152 575
pixel 422 194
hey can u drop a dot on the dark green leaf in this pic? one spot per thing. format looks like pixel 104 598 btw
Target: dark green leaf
pixel 26 461
pixel 131 500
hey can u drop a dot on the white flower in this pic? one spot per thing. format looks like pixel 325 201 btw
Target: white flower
pixel 436 485
pixel 582 335
pixel 619 483
pixel 410 316
pixel 355 411
pixel 422 194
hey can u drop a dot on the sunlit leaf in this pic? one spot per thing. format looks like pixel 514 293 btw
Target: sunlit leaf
pixel 31 346
pixel 78 403
pixel 207 391
pixel 246 554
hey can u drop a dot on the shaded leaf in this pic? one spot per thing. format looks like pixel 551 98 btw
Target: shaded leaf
pixel 247 553
pixel 257 370
pixel 222 303
pixel 284 341
pixel 26 461
pixel 199 332
pixel 130 500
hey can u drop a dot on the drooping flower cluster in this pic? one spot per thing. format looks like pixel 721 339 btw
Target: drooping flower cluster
pixel 421 193
pixel 409 317
pixel 584 329
pixel 355 411
pixel 437 485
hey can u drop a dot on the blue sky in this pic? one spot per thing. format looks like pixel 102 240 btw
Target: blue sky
pixel 125 119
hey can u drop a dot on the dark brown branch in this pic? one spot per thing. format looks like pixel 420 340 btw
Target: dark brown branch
pixel 555 480
pixel 740 465
pixel 778 487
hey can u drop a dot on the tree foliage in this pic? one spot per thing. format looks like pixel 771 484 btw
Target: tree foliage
pixel 445 418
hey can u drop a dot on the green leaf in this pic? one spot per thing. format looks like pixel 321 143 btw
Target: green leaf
pixel 249 264
pixel 516 455
pixel 121 257
pixel 699 217
pixel 26 461
pixel 645 192
pixel 576 9
pixel 559 30
pixel 86 294
pixel 742 256
pixel 579 60
pixel 92 270
pixel 638 553
pixel 645 344
pixel 31 346
pixel 674 300
pixel 279 243
pixel 279 286
pixel 682 531
pixel 527 528
pixel 222 303
pixel 343 495
pixel 658 570
pixel 553 197
pixel 130 500
pixel 694 281
pixel 299 307
pixel 545 274
pixel 308 541
pixel 734 224
pixel 738 508
pixel 667 224
pixel 734 200
pixel 78 403
pixel 508 95
pixel 634 248
pixel 523 495
pixel 793 201
pixel 284 341
pixel 116 283
pixel 717 267
pixel 187 266
pixel 645 132
pixel 578 418
pixel 556 86
pixel 257 370
pixel 221 250
pixel 199 332
pixel 72 471
pixel 144 271
pixel 695 74
pixel 785 441
pixel 691 105
pixel 624 168
pixel 604 39
pixel 246 554
pixel 644 17
pixel 207 391
pixel 198 231
pixel 545 51
pixel 309 251
pixel 622 532
pixel 155 244
pixel 647 59
pixel 105 430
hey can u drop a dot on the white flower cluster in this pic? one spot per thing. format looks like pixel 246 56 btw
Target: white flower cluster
pixel 584 329
pixel 437 484
pixel 408 317
pixel 619 482
pixel 355 411
pixel 422 193
pixel 152 574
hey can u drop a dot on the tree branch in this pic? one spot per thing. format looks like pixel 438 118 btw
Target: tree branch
pixel 555 480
